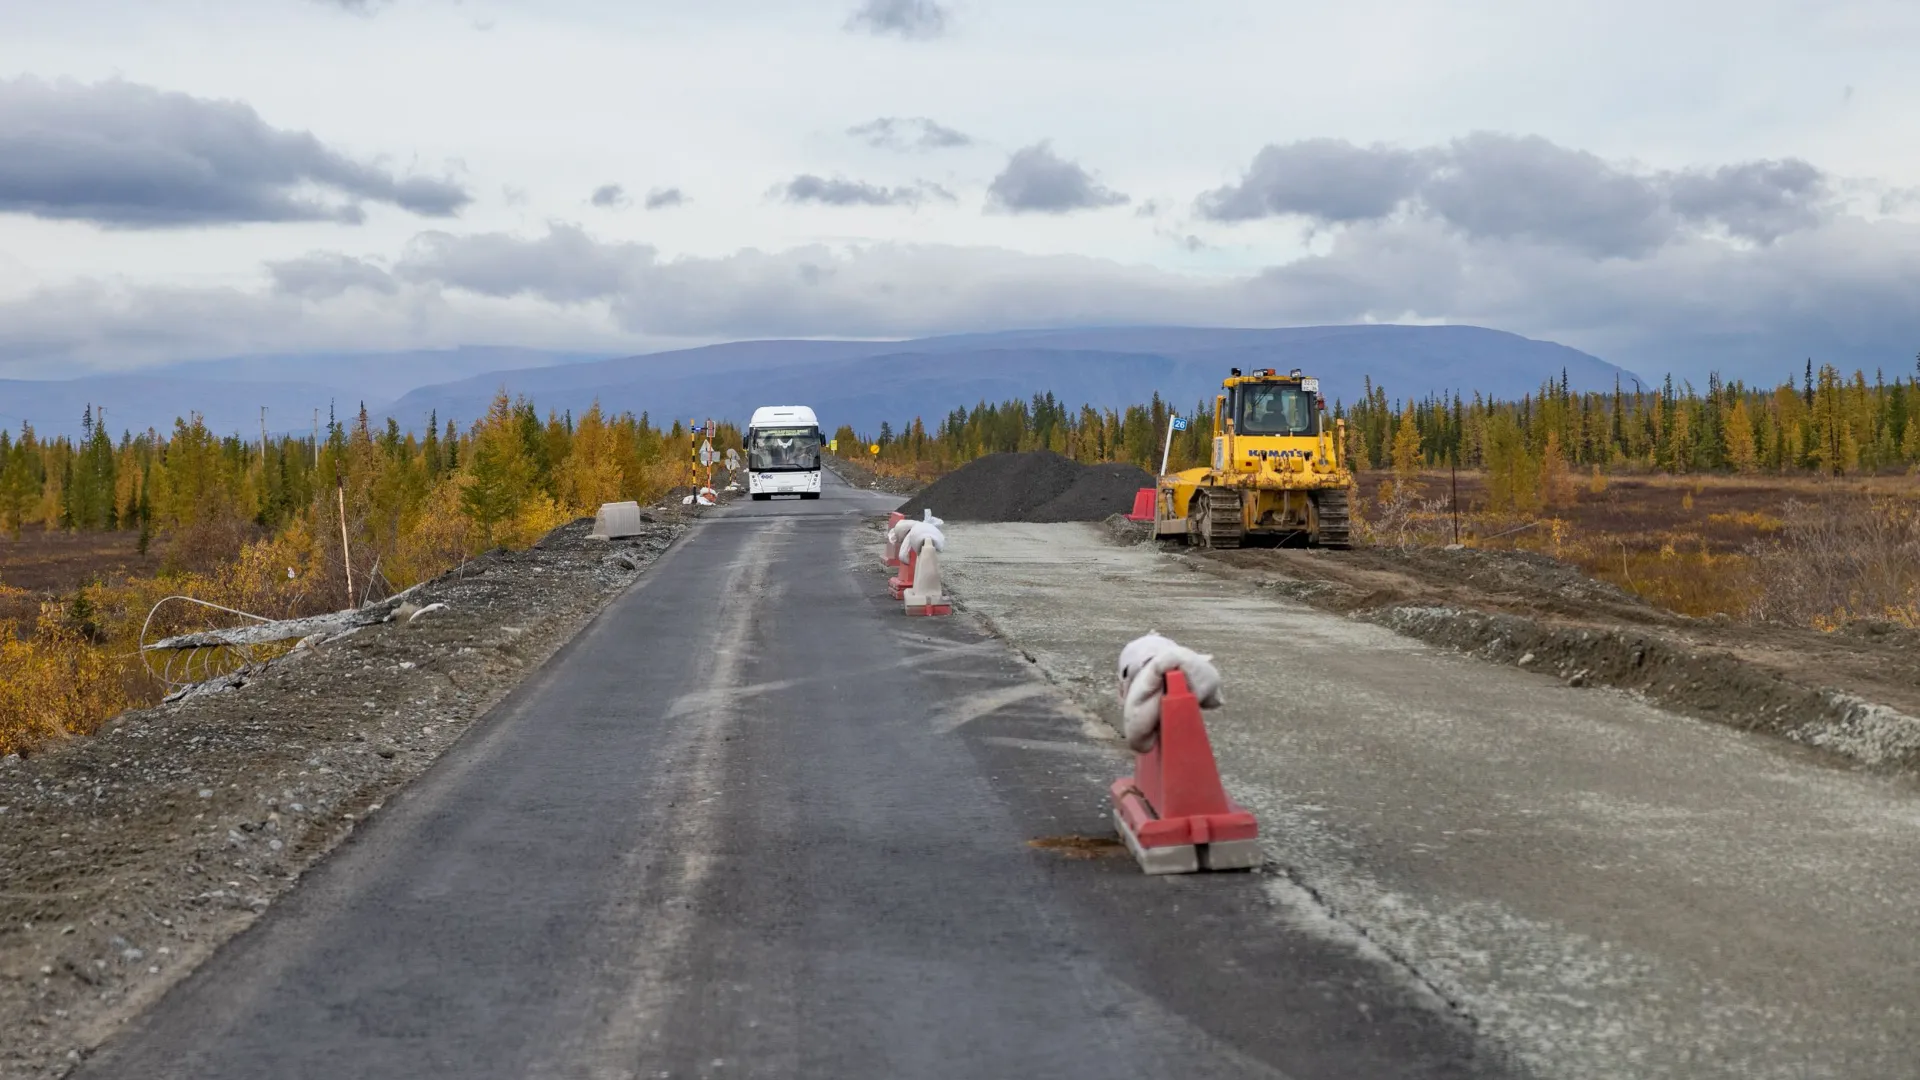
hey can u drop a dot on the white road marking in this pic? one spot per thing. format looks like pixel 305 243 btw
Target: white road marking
pixel 959 714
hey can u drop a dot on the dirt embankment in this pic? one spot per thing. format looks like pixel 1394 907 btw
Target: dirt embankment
pixel 127 858
pixel 1854 693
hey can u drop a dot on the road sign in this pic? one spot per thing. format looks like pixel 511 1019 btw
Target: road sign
pixel 874 449
pixel 1179 423
pixel 833 446
pixel 706 453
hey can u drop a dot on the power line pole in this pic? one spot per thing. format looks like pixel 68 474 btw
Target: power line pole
pixel 263 435
pixel 316 438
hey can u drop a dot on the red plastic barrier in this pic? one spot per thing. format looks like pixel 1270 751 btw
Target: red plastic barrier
pixel 902 581
pixel 1174 799
pixel 1143 504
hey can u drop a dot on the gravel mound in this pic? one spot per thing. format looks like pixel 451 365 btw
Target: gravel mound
pixel 1036 486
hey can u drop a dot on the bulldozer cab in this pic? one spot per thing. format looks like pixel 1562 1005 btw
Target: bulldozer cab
pixel 1263 403
pixel 1274 408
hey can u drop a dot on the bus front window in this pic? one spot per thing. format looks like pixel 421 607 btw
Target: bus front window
pixel 783 448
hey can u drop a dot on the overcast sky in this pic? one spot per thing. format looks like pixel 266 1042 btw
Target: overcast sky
pixel 1668 185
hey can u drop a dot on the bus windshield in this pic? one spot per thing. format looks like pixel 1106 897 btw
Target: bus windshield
pixel 1275 410
pixel 771 449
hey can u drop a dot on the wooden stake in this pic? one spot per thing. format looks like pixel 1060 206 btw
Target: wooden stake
pixel 1455 500
pixel 346 552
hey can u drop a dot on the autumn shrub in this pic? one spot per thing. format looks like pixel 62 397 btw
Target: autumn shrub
pixel 1399 517
pixel 1690 580
pixel 56 684
pixel 1840 561
pixel 432 540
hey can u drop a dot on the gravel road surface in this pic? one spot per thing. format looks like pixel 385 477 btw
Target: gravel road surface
pixel 755 822
pixel 1606 889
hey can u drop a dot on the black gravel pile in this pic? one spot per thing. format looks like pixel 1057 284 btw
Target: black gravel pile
pixel 1036 486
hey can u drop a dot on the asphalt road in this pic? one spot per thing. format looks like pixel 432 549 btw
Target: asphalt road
pixel 756 822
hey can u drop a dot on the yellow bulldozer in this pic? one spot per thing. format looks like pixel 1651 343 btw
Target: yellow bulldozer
pixel 1279 472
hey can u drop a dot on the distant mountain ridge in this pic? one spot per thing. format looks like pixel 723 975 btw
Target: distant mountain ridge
pixel 861 383
pixel 229 393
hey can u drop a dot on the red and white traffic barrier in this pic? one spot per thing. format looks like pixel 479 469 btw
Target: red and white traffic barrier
pixel 904 540
pixel 902 580
pixel 1173 812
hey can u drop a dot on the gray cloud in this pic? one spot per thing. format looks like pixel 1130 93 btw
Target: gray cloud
pixel 564 267
pixel 1503 187
pixel 662 198
pixel 808 188
pixel 1036 180
pixel 357 7
pixel 1512 188
pixel 610 197
pixel 908 133
pixel 1758 200
pixel 1840 290
pixel 128 156
pixel 1329 180
pixel 911 19
pixel 324 275
pixel 1898 200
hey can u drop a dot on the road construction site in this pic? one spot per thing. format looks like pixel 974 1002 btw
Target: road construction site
pixel 757 820
pixel 1603 888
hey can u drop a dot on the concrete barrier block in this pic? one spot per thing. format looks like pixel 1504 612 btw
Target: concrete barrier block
pixel 616 520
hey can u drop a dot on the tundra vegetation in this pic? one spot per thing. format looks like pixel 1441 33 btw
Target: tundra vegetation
pixel 257 525
pixel 1793 504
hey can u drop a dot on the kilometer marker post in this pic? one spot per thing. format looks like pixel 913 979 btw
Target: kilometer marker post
pixel 1174 423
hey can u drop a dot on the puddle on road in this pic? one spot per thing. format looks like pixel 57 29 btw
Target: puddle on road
pixel 1080 847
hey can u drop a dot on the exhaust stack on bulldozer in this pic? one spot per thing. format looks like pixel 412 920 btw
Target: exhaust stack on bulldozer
pixel 1278 471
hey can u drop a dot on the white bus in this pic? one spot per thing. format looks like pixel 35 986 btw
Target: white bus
pixel 783 452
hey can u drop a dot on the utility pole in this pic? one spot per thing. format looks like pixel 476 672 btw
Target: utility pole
pixel 263 435
pixel 316 438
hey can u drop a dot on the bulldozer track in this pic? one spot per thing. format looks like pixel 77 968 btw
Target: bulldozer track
pixel 1220 523
pixel 1333 510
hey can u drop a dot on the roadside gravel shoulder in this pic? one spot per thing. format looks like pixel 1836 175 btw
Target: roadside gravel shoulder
pixel 127 858
pixel 1601 886
pixel 1854 694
